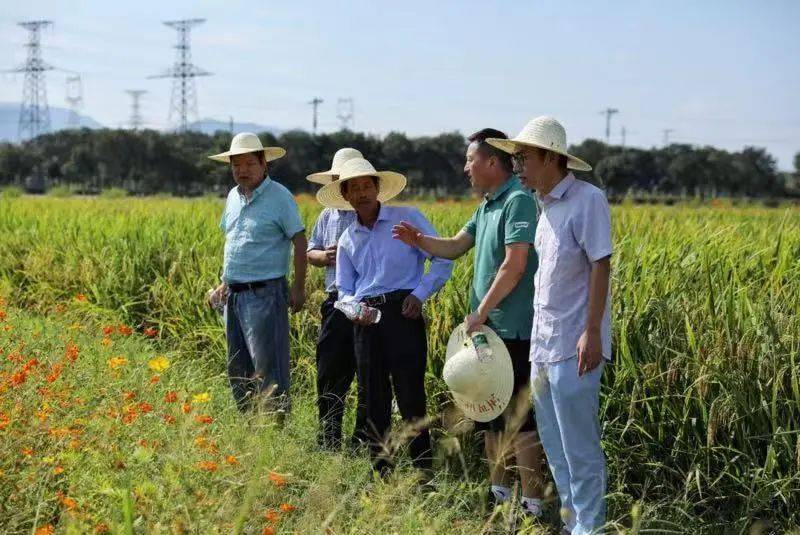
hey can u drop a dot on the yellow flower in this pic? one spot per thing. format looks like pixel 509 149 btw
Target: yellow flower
pixel 116 362
pixel 205 397
pixel 158 364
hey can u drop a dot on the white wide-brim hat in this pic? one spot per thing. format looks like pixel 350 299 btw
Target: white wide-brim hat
pixel 247 142
pixel 481 388
pixel 390 184
pixel 339 159
pixel 545 133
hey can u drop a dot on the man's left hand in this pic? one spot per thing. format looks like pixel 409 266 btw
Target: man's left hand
pixel 412 307
pixel 473 321
pixel 297 298
pixel 590 351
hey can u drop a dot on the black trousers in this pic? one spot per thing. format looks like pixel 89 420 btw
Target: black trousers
pixel 392 354
pixel 336 367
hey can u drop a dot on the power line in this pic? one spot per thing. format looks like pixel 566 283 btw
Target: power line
pixel 34 114
pixel 345 112
pixel 183 73
pixel 315 102
pixel 74 98
pixel 136 116
pixel 608 112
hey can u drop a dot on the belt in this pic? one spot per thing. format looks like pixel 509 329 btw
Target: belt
pixel 389 297
pixel 236 287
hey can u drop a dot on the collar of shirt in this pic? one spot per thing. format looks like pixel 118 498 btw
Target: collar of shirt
pixel 383 215
pixel 256 192
pixel 559 190
pixel 501 189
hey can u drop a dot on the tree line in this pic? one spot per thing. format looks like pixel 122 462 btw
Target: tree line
pixel 148 162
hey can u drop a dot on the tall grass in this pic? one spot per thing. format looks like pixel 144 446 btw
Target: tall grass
pixel 701 409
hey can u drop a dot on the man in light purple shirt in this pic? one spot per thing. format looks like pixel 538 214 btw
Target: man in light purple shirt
pixel 384 273
pixel 571 333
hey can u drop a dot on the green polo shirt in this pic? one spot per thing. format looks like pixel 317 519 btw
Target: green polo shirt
pixel 506 216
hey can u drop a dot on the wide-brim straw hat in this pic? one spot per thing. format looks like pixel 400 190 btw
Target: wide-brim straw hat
pixel 339 159
pixel 545 133
pixel 247 142
pixel 481 388
pixel 390 184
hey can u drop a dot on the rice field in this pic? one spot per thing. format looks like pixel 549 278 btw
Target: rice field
pixel 700 411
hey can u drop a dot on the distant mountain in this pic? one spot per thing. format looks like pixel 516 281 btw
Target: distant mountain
pixel 209 126
pixel 9 120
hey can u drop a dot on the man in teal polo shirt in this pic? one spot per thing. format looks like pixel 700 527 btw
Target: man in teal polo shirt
pixel 261 225
pixel 502 231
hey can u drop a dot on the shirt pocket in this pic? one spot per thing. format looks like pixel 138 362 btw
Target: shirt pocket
pixel 545 327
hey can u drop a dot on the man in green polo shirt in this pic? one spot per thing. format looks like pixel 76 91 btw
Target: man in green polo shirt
pixel 502 231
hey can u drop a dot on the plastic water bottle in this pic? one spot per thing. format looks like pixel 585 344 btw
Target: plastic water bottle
pixel 481 344
pixel 354 309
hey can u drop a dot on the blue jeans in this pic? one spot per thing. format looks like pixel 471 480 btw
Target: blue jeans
pixel 567 418
pixel 257 329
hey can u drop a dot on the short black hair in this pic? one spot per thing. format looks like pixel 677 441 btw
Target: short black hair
pixel 343 185
pixel 480 138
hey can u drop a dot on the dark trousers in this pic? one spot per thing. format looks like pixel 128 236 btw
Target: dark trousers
pixel 393 353
pixel 336 367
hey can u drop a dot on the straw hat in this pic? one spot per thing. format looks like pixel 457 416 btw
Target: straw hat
pixel 482 389
pixel 341 156
pixel 390 184
pixel 545 133
pixel 247 142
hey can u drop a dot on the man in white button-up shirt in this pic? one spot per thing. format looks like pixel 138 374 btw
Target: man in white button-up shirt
pixel 571 333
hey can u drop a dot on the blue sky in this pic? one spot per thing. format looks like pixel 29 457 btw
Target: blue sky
pixel 724 73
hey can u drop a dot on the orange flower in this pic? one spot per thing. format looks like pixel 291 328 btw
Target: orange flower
pixel 116 362
pixel 27 452
pixel 107 330
pixel 74 444
pixel 150 332
pixel 186 408
pixel 231 459
pixel 209 466
pixel 57 469
pixel 72 352
pixel 4 420
pixel 272 516
pixel 128 395
pixel 106 341
pixel 144 407
pixel 287 508
pixel 171 397
pixel 268 531
pixel 81 298
pixel 45 530
pixel 154 379
pixel 169 419
pixel 66 501
pixel 124 330
pixel 102 527
pixel 2 315
pixel 277 479
pixel 203 419
pixel 19 378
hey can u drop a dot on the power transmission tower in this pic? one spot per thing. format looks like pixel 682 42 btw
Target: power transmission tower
pixel 345 112
pixel 623 132
pixel 667 132
pixel 34 115
pixel 74 100
pixel 183 73
pixel 608 112
pixel 136 116
pixel 315 102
